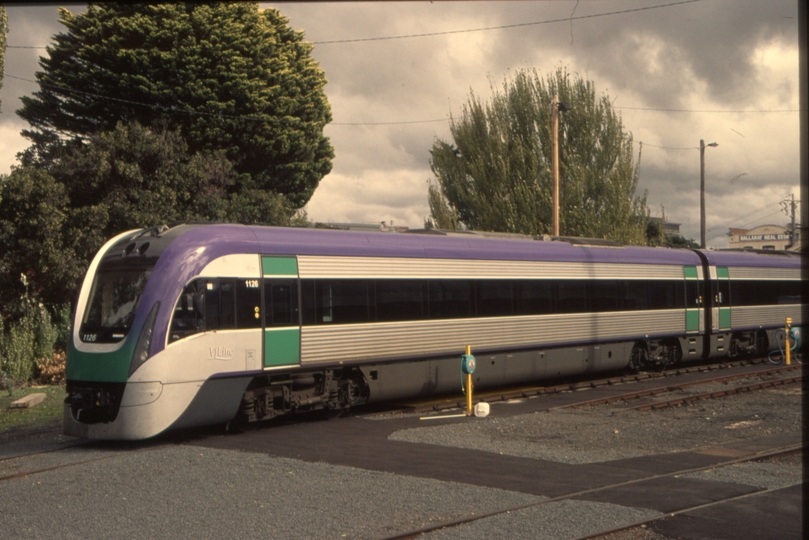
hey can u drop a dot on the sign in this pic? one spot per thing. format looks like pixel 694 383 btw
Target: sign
pixel 762 237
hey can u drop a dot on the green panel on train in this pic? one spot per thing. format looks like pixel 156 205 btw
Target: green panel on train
pixel 282 347
pixel 691 314
pixel 279 266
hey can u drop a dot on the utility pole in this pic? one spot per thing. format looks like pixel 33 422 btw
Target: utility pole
pixel 555 162
pixel 702 146
pixel 789 209
pixel 556 108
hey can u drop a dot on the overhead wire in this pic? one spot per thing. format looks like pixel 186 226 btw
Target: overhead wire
pixel 570 18
pixel 745 224
pixel 428 34
pixel 257 119
pixel 502 27
pixel 726 224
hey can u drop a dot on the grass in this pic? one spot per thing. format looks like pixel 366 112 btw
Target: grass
pixel 43 413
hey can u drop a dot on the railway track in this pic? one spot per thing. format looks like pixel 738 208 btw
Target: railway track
pixel 625 397
pixel 776 452
pixel 31 463
pixel 707 374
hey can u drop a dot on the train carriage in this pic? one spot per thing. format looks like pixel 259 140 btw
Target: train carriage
pixel 198 324
pixel 752 294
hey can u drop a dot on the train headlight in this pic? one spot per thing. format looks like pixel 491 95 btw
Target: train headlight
pixel 141 353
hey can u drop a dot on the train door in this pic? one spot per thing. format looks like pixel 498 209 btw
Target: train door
pixel 720 283
pixel 282 325
pixel 694 314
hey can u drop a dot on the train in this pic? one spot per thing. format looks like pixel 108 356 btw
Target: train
pixel 187 325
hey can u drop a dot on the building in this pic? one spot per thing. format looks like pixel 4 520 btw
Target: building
pixel 669 228
pixel 773 237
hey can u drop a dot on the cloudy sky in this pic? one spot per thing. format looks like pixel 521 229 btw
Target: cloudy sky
pixel 725 71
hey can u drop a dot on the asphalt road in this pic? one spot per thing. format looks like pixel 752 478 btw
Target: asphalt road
pixel 376 477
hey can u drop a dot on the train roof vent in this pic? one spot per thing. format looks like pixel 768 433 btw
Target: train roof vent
pixel 581 241
pixel 426 231
pixel 153 231
pixel 770 252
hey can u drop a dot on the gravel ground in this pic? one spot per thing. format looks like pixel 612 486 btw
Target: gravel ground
pixel 25 439
pixel 765 475
pixel 552 521
pixel 180 491
pixel 171 490
pixel 598 434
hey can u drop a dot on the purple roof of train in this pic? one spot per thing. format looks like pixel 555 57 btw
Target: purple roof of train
pixel 274 240
pixel 222 240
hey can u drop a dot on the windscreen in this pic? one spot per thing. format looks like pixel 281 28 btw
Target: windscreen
pixel 113 301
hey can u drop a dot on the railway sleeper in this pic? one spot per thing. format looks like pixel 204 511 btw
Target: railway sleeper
pixel 269 396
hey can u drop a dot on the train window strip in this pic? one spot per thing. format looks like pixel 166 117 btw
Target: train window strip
pixel 762 292
pixel 345 301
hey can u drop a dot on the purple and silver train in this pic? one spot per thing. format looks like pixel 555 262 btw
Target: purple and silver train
pixel 192 325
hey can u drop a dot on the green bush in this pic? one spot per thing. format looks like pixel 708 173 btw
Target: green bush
pixel 30 340
pixel 62 322
pixel 18 349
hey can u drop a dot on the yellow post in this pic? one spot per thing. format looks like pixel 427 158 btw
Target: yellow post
pixel 468 386
pixel 788 324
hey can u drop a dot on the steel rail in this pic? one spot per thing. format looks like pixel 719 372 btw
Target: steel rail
pixel 531 392
pixel 673 388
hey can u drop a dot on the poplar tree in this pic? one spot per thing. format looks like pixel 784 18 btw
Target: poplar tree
pixel 231 77
pixel 495 174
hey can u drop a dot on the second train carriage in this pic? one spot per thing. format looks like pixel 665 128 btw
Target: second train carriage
pixel 192 324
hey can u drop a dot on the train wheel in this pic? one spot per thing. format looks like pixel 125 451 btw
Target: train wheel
pixel 639 359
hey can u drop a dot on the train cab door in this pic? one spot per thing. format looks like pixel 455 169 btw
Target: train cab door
pixel 694 314
pixel 282 325
pixel 720 285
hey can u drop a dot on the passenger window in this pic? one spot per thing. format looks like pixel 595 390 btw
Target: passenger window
pixel 189 313
pixel 399 300
pixel 227 299
pixel 344 301
pixel 494 298
pixel 605 295
pixel 535 297
pixel 450 299
pixel 281 302
pixel 213 304
pixel 572 296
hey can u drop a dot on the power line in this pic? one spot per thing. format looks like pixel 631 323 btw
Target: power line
pixel 670 147
pixel 501 27
pixel 256 119
pixel 748 223
pixel 744 216
pixel 466 30
pixel 141 104
pixel 388 123
pixel 706 110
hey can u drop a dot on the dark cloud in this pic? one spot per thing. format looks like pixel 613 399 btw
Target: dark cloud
pixel 709 55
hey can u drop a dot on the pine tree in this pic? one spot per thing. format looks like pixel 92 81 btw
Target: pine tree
pixel 231 77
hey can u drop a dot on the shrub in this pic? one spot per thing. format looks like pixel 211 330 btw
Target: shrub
pixel 30 339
